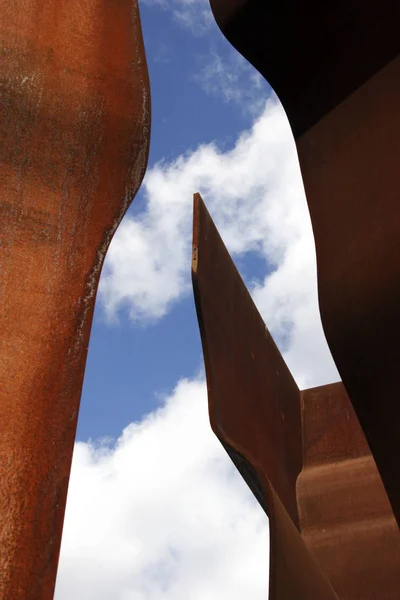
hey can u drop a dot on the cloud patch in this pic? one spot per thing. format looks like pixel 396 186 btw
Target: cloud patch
pixel 233 79
pixel 194 15
pixel 162 514
pixel 255 194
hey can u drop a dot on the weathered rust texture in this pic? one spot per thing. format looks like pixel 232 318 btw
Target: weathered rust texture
pixel 227 315
pixel 336 69
pixel 346 519
pixel 75 136
pixel 303 454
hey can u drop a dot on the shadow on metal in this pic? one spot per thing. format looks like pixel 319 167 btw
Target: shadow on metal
pixel 336 69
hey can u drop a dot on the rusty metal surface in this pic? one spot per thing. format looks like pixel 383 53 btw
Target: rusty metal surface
pixel 302 453
pixel 75 135
pixel 228 315
pixel 350 165
pixel 336 70
pixel 346 519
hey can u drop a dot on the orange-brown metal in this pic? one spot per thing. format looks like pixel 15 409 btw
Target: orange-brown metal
pixel 75 135
pixel 303 454
pixel 346 519
pixel 227 315
pixel 336 68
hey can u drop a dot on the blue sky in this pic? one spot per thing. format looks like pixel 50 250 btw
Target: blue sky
pixel 155 509
pixel 191 105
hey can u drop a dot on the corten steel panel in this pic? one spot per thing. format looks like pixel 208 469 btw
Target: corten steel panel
pixel 350 163
pixel 336 69
pixel 345 516
pixel 229 320
pixel 75 136
pixel 303 454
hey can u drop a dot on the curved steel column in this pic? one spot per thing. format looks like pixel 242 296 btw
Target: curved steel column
pixel 75 137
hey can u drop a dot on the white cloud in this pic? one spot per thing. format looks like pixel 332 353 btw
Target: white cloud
pixel 163 514
pixel 194 15
pixel 222 71
pixel 255 195
pixel 233 79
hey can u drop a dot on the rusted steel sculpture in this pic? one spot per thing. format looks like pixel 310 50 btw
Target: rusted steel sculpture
pixel 336 69
pixel 75 137
pixel 303 454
